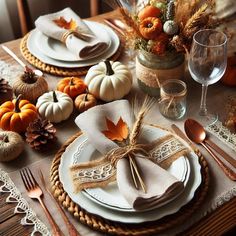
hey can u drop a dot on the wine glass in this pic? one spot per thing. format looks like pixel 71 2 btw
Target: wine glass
pixel 207 63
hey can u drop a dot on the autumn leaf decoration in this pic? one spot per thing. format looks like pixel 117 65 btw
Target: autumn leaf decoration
pixel 118 132
pixel 63 23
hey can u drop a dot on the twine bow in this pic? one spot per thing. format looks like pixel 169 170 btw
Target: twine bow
pixel 82 35
pixel 129 151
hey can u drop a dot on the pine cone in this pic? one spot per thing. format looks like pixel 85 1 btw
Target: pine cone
pixel 39 133
pixel 6 92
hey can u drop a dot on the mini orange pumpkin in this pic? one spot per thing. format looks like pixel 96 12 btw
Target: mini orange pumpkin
pixel 149 11
pixel 17 114
pixel 85 101
pixel 150 27
pixel 229 78
pixel 72 86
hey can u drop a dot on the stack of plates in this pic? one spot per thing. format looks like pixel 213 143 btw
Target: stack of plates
pixel 53 52
pixel 108 203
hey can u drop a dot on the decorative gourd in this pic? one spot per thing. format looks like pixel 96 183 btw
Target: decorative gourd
pixel 109 80
pixel 150 27
pixel 30 85
pixel 85 101
pixel 17 114
pixel 72 86
pixel 6 92
pixel 229 78
pixel 55 106
pixel 160 44
pixel 170 27
pixel 11 145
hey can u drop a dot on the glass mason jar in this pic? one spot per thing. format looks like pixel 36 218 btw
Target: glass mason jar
pixel 152 70
pixel 172 103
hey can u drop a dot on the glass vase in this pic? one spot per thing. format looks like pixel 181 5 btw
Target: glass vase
pixel 152 70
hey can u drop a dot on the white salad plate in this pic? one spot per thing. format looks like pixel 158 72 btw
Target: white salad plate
pixel 75 154
pixel 57 50
pixel 36 36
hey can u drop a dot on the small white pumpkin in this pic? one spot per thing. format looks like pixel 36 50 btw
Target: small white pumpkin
pixel 170 27
pixel 109 80
pixel 55 106
pixel 11 145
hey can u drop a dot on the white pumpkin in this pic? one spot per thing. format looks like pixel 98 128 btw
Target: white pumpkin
pixel 109 80
pixel 55 106
pixel 11 145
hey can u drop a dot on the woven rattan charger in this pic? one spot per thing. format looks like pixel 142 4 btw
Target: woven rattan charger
pixel 54 70
pixel 106 226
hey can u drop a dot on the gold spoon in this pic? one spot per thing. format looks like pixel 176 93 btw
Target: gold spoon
pixel 197 134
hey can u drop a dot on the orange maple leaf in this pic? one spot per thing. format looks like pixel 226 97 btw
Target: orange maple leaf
pixel 117 132
pixel 61 22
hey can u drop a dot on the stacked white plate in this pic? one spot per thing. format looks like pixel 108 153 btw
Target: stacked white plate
pixel 108 202
pixel 54 52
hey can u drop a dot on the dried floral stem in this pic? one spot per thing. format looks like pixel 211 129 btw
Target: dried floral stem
pixel 197 21
pixel 146 106
pixel 130 22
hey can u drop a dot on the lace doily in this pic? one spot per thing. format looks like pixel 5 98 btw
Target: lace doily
pixel 9 72
pixel 30 217
pixel 224 134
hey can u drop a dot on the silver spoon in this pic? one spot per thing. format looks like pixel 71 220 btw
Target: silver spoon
pixel 13 55
pixel 197 134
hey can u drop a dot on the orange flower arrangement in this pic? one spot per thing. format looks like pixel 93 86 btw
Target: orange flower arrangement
pixel 167 25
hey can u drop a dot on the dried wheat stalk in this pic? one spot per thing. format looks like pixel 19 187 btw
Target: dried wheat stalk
pixel 145 108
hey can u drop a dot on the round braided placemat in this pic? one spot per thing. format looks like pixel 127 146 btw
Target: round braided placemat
pixel 54 70
pixel 106 226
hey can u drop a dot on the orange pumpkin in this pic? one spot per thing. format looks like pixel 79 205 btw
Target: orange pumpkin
pixel 16 115
pixel 229 78
pixel 150 27
pixel 72 86
pixel 149 11
pixel 85 101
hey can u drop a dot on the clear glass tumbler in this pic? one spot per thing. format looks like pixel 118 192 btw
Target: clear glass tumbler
pixel 172 103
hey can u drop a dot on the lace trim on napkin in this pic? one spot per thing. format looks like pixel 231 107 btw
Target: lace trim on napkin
pixel 224 134
pixel 30 217
pixel 101 172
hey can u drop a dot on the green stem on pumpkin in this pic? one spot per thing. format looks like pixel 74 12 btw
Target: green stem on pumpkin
pixel 54 96
pixel 18 99
pixel 109 68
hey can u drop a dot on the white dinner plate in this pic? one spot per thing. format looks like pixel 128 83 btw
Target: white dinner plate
pixel 57 50
pixel 68 158
pixel 110 196
pixel 35 37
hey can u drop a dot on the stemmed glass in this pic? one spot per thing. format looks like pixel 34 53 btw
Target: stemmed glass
pixel 207 63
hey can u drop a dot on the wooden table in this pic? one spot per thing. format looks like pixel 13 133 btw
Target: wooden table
pixel 221 220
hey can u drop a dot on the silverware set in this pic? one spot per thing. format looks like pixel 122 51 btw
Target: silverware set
pixel 196 133
pixel 34 191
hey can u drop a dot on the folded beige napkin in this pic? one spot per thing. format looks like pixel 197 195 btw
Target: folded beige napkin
pixel 85 45
pixel 161 185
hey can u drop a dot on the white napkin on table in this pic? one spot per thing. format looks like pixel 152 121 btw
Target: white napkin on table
pixel 83 49
pixel 160 184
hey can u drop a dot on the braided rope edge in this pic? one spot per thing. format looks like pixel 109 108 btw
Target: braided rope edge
pixel 54 70
pixel 106 226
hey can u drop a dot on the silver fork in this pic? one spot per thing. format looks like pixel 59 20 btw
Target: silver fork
pixel 34 191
